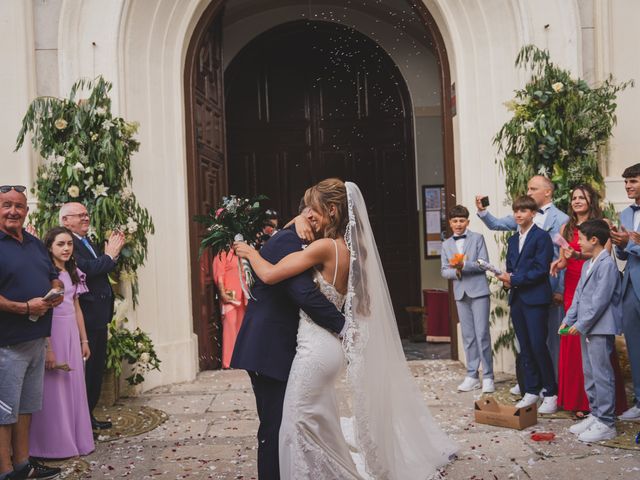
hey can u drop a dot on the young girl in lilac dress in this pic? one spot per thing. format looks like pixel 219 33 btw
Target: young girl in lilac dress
pixel 62 429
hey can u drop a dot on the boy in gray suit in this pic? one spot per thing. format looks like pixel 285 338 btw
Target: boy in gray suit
pixel 471 290
pixel 596 315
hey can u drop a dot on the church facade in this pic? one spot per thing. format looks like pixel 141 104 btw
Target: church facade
pixel 246 96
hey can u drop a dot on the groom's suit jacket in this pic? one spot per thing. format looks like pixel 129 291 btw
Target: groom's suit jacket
pixel 597 303
pixel 266 343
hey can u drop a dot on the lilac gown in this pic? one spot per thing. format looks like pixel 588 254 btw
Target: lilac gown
pixel 62 429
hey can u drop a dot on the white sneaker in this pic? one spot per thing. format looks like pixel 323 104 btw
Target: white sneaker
pixel 542 393
pixel 468 384
pixel 549 405
pixel 528 399
pixel 515 390
pixel 488 386
pixel 632 414
pixel 598 431
pixel 583 425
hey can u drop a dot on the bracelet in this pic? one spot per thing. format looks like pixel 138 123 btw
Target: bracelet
pixel 28 310
pixel 84 341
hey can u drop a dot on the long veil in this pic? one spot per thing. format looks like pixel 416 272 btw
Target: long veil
pixel 394 429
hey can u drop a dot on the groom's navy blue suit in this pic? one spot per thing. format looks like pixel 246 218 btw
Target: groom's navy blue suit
pixel 266 343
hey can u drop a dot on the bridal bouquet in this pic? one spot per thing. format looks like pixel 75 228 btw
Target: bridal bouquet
pixel 237 219
pixel 457 262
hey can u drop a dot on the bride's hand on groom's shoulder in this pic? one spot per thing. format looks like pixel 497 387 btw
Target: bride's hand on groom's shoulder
pixel 303 228
pixel 243 249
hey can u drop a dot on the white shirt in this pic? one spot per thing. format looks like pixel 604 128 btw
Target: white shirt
pixel 636 220
pixel 523 238
pixel 460 243
pixel 541 217
pixel 593 260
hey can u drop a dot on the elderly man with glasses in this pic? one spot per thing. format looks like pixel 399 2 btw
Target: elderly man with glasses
pixel 26 276
pixel 97 304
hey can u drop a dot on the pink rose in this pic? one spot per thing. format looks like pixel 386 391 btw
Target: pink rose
pixel 219 212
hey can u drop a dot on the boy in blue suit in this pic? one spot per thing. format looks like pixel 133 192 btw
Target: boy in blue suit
pixel 596 315
pixel 471 291
pixel 627 242
pixel 529 256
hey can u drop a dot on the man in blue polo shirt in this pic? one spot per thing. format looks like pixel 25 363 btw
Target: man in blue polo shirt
pixel 26 275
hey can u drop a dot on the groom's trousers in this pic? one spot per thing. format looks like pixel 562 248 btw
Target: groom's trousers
pixel 269 394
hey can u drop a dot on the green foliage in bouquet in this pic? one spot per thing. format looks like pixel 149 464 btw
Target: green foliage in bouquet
pixel 236 215
pixel 558 127
pixel 134 347
pixel 87 154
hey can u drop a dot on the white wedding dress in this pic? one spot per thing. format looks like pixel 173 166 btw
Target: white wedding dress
pixel 312 445
pixel 395 436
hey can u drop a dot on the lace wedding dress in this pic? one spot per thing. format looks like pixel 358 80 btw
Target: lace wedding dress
pixel 312 445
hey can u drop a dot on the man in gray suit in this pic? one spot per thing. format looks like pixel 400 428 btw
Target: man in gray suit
pixel 627 242
pixel 596 315
pixel 550 219
pixel 471 290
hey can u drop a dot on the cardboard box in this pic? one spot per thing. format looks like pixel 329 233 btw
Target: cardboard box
pixel 490 412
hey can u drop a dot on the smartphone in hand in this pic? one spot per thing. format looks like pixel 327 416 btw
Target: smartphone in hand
pixel 484 201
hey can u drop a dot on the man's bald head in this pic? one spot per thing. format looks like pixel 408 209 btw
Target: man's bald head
pixel 75 217
pixel 540 188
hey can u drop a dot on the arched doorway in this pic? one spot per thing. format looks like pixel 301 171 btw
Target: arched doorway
pixel 338 140
pixel 310 100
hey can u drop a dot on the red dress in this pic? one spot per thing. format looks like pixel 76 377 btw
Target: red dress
pixel 571 394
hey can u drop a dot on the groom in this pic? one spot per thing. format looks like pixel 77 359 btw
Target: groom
pixel 266 343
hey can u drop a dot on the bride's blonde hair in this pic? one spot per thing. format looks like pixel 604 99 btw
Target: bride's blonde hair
pixel 321 196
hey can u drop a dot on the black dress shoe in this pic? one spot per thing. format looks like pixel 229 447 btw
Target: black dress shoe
pixel 97 425
pixel 35 469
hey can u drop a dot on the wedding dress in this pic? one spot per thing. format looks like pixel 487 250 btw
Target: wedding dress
pixel 312 445
pixel 394 433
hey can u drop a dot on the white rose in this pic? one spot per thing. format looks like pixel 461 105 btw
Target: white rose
pixel 557 87
pixel 144 357
pixel 73 191
pixel 44 176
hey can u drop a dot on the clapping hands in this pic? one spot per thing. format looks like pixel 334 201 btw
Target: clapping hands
pixel 114 244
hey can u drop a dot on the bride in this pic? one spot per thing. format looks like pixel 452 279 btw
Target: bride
pixel 394 432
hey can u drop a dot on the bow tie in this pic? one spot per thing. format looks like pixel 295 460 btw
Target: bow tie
pixel 635 207
pixel 542 212
pixel 462 237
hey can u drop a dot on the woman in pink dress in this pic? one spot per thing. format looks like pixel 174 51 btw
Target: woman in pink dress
pixel 62 429
pixel 232 301
pixel 571 394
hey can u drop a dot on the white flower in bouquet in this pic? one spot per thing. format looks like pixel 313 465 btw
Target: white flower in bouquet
pixel 101 110
pixel 557 87
pixel 132 226
pixel 529 125
pixel 144 357
pixel 44 175
pixel 73 191
pixel 94 137
pixel 100 190
pixel 91 232
pixel 100 166
pixel 107 124
pixel 79 166
pixel 88 182
pixel 59 160
pixel 60 124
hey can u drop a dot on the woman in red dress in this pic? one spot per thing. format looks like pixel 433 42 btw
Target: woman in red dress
pixel 585 205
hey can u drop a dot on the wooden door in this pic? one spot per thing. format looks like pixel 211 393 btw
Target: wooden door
pixel 207 181
pixel 311 100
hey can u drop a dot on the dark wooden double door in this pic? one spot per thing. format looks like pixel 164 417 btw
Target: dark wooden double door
pixel 311 100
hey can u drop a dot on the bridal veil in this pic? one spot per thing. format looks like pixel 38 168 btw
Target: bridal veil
pixel 394 430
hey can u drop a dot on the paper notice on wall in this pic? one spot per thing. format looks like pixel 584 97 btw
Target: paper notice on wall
pixel 433 222
pixel 434 247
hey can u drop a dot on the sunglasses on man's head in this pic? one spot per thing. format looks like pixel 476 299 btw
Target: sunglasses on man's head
pixel 8 188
